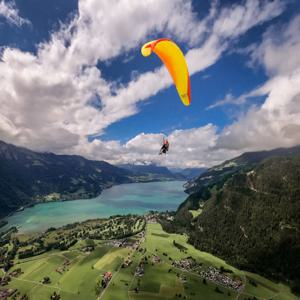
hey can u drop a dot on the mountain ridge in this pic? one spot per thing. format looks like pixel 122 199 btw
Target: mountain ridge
pixel 151 169
pixel 231 166
pixel 28 177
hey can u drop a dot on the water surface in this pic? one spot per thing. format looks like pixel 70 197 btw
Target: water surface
pixel 135 198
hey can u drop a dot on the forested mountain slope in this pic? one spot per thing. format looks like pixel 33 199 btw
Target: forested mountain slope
pixel 27 176
pixel 251 218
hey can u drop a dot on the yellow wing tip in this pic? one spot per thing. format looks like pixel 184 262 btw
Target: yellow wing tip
pixel 146 50
pixel 185 99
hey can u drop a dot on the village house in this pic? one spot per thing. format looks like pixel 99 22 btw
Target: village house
pixel 115 243
pixel 6 293
pixel 127 262
pixel 106 278
pixel 4 280
pixel 16 273
pixel 88 249
pixel 156 259
pixel 129 244
pixel 139 272
pixel 63 268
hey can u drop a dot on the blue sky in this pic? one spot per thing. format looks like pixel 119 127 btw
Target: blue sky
pixel 83 88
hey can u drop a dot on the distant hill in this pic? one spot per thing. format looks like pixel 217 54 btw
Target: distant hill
pixel 27 177
pixel 190 173
pixel 152 171
pixel 247 211
pixel 164 172
pixel 225 170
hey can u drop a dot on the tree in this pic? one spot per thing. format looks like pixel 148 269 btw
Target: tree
pixel 218 290
pixel 90 243
pixel 7 265
pixel 295 287
pixel 46 280
pixel 55 296
pixel 97 289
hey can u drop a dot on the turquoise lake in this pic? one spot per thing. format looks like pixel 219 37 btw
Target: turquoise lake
pixel 135 198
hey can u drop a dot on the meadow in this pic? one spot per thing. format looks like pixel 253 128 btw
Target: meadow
pixel 153 273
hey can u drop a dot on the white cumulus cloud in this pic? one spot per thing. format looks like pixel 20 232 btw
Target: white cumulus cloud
pixel 277 122
pixel 45 97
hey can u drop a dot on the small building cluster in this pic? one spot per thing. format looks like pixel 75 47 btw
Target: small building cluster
pixel 63 268
pixel 106 279
pixel 185 264
pixel 16 273
pixel 123 243
pixel 140 271
pixel 6 293
pixel 156 259
pixel 115 243
pixel 4 280
pixel 127 262
pixel 216 276
pixel 130 244
pixel 88 249
pixel 152 220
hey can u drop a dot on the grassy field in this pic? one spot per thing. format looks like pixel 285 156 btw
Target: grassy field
pixel 196 213
pixel 158 282
pixel 111 260
pixel 160 279
pixel 78 281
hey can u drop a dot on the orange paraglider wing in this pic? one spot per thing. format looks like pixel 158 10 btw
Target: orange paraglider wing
pixel 174 60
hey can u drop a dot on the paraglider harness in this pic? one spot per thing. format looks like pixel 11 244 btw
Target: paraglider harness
pixel 165 147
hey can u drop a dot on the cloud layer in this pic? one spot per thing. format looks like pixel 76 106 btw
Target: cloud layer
pixel 277 122
pixel 46 97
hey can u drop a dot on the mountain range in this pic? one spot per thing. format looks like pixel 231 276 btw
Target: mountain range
pixel 28 177
pixel 153 171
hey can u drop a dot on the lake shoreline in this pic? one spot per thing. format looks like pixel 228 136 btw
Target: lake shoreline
pixel 32 204
pixel 121 199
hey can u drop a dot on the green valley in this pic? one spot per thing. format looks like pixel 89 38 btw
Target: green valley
pixel 126 257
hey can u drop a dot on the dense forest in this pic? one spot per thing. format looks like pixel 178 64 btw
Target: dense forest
pixel 250 217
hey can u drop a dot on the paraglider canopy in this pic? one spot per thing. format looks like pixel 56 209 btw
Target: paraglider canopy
pixel 174 60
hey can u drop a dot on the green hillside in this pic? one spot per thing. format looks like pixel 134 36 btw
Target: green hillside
pixel 251 218
pixel 27 177
pixel 150 264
